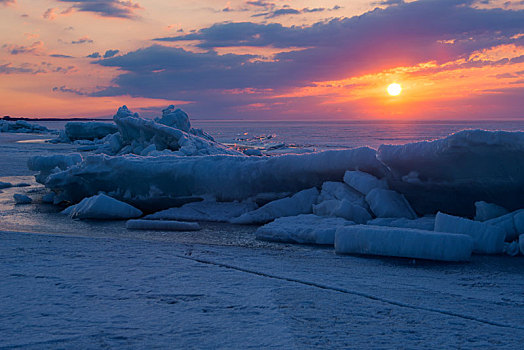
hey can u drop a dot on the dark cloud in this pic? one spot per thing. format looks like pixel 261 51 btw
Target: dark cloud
pixel 106 8
pixel 401 35
pixel 9 69
pixel 94 55
pixel 82 40
pixel 35 48
pixel 60 56
pixel 65 89
pixel 110 53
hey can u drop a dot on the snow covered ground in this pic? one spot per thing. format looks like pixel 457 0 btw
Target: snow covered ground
pixel 92 284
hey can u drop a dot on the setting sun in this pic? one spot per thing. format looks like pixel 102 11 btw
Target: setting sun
pixel 394 89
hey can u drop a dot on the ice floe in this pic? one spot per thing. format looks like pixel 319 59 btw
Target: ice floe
pixel 487 238
pixel 389 204
pixel 102 207
pixel 402 242
pixel 486 211
pixel 88 130
pixel 22 126
pixel 208 210
pixel 22 199
pixel 343 209
pixel 364 182
pixel 423 223
pixel 302 229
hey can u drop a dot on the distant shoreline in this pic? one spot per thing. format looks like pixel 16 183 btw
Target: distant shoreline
pixel 53 119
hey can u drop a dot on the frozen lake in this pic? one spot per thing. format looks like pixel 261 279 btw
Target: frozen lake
pixel 72 284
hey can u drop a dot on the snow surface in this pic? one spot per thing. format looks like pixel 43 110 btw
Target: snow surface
pixel 424 223
pixel 302 229
pixel 485 211
pixel 487 238
pixel 162 225
pixel 453 173
pixel 102 207
pixel 22 199
pixel 208 210
pixel 364 182
pixel 300 203
pixel 389 204
pixel 403 242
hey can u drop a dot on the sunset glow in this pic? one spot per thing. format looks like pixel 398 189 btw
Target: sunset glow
pixel 394 89
pixel 270 60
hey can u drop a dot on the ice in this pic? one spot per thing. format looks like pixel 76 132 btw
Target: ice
pixel 512 223
pixel 226 178
pixel 22 199
pixel 364 182
pixel 21 126
pixel 88 130
pixel 5 184
pixel 175 118
pixel 402 242
pixel 302 229
pixel 521 244
pixel 300 203
pixel 486 211
pixel 48 198
pixel 453 173
pixel 137 134
pixel 341 191
pixel 343 209
pixel 161 225
pixel 102 207
pixel 487 238
pixel 511 249
pixel 424 223
pixel 389 204
pixel 208 210
pixel 48 165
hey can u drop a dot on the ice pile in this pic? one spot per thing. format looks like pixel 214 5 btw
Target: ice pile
pixel 102 207
pixel 393 193
pixel 22 126
pixel 88 130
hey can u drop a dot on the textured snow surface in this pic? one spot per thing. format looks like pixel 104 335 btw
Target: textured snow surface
pixel 102 207
pixel 453 173
pixel 162 225
pixel 423 223
pixel 302 229
pixel 487 238
pixel 300 203
pixel 205 211
pixel 403 242
pixel 389 204
pixel 88 130
pixel 364 182
pixel 485 211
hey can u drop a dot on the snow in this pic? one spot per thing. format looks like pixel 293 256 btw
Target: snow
pixel 102 207
pixel 21 126
pixel 487 238
pixel 343 209
pixel 424 223
pixel 453 173
pixel 227 178
pixel 302 229
pixel 88 130
pixel 402 242
pixel 389 204
pixel 512 223
pixel 364 182
pixel 164 225
pixel 300 203
pixel 208 210
pixel 22 199
pixel 486 211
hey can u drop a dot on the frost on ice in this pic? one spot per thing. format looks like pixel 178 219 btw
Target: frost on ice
pixel 402 242
pixel 302 229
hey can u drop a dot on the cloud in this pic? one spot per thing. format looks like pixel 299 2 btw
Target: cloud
pixel 106 8
pixel 7 2
pixel 94 55
pixel 9 69
pixel 36 48
pixel 43 67
pixel 111 53
pixel 60 56
pixel 402 35
pixel 65 89
pixel 52 13
pixel 82 40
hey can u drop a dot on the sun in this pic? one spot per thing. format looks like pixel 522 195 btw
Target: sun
pixel 394 89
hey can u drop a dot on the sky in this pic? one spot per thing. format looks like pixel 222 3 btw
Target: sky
pixel 264 60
